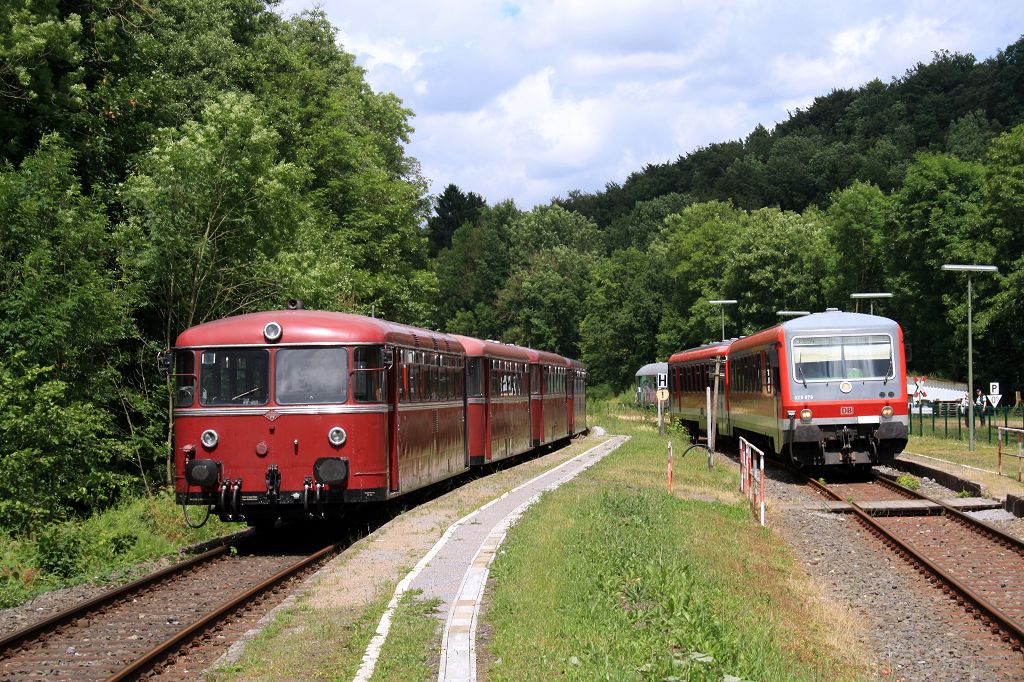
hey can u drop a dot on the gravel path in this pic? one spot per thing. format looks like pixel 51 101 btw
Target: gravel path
pixel 913 628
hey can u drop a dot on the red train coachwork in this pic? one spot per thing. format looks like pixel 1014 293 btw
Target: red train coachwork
pixel 291 414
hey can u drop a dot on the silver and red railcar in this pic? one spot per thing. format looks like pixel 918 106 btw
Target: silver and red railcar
pixel 291 413
pixel 823 389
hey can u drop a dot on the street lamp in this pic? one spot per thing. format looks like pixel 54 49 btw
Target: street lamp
pixel 970 347
pixel 724 302
pixel 792 313
pixel 872 296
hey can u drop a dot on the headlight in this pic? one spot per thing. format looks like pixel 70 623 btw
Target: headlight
pixel 209 439
pixel 887 411
pixel 805 415
pixel 272 332
pixel 337 436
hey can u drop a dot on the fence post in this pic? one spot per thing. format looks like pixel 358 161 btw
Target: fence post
pixel 999 453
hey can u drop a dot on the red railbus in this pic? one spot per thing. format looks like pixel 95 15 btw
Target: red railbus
pixel 293 413
pixel 497 400
pixel 549 398
pixel 576 382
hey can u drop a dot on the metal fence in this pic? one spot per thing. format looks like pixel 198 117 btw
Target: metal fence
pixel 943 420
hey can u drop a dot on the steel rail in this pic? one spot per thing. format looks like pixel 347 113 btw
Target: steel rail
pixel 162 650
pixel 1006 626
pixel 40 629
pixel 1001 536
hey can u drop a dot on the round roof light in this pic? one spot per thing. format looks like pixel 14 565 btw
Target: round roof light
pixel 272 332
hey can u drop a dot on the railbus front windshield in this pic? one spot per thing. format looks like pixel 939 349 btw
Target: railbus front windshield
pixel 311 375
pixel 840 358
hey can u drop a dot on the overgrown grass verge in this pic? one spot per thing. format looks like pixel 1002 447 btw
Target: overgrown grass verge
pixel 610 577
pixel 410 653
pixel 104 548
pixel 307 642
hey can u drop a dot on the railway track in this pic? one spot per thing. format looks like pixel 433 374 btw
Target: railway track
pixel 975 564
pixel 144 625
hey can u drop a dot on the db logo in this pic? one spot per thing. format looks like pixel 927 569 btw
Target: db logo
pixel 846 411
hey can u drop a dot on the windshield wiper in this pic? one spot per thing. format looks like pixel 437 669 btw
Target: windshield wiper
pixel 800 369
pixel 242 395
pixel 885 379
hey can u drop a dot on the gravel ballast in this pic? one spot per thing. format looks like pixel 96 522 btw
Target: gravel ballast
pixel 917 632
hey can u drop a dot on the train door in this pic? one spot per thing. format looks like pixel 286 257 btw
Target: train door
pixel 773 388
pixel 398 386
pixel 723 425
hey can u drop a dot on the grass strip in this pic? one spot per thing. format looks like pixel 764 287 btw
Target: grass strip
pixel 308 642
pixel 610 577
pixel 410 652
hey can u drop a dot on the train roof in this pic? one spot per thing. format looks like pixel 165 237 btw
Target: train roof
pixel 828 322
pixel 832 320
pixel 708 350
pixel 306 327
pixel 494 349
pixel 575 364
pixel 652 368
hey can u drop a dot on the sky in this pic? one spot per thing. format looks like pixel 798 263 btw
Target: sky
pixel 529 100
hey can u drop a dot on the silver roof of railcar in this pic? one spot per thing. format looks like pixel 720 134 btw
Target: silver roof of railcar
pixel 834 320
pixel 652 369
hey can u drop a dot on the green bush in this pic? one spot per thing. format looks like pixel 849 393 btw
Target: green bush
pixel 59 551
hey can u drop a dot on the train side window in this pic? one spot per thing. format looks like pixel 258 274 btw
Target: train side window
pixel 475 378
pixel 184 378
pixel 368 375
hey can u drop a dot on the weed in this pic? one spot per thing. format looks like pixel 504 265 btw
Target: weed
pixel 909 482
pixel 963 493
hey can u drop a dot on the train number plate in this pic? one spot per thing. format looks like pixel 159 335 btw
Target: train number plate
pixel 846 411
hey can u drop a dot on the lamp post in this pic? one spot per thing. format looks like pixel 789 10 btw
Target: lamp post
pixel 953 267
pixel 872 296
pixel 724 302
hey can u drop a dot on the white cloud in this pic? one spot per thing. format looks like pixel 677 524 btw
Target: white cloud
pixel 531 99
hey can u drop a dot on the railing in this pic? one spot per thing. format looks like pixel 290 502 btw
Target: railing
pixel 752 475
pixel 1004 436
pixel 943 420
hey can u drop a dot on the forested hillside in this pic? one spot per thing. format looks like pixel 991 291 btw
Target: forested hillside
pixel 170 163
pixel 165 164
pixel 866 190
